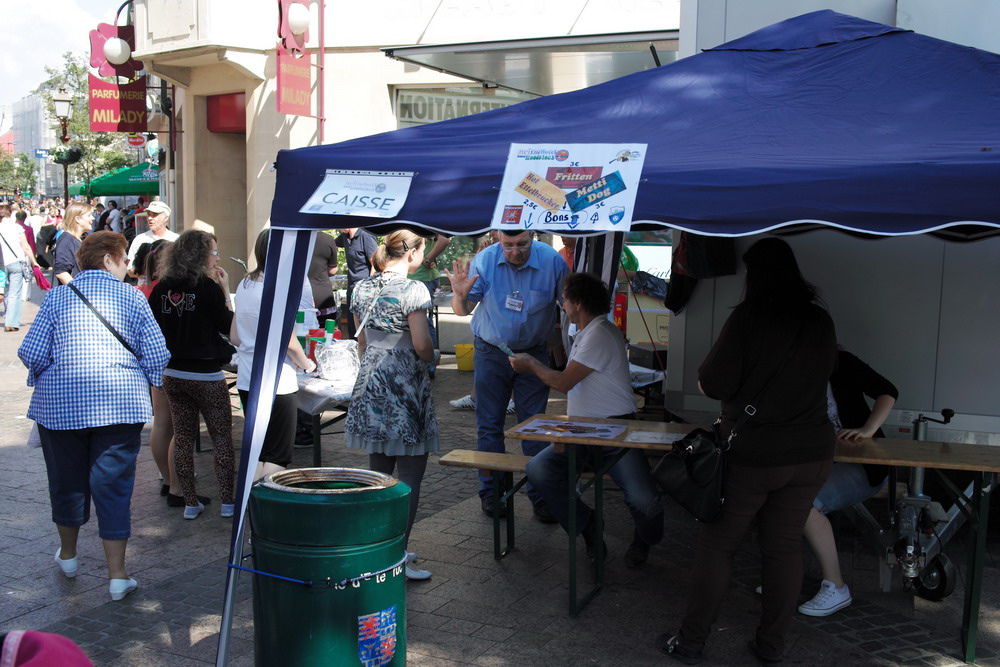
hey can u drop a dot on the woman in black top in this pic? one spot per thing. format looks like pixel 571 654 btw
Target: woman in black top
pixel 75 224
pixel 192 306
pixel 775 352
pixel 849 483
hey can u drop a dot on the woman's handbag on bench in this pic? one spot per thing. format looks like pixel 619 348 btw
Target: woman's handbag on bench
pixel 694 473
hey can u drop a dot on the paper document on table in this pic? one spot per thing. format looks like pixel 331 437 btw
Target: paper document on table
pixel 569 429
pixel 653 437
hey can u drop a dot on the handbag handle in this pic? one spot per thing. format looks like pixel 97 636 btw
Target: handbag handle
pixel 103 321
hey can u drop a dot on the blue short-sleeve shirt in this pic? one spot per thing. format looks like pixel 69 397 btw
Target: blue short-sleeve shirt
pixel 537 284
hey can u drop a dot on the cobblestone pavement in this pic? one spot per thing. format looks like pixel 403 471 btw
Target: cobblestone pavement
pixel 474 611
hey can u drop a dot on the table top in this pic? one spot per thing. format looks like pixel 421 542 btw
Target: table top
pixel 883 451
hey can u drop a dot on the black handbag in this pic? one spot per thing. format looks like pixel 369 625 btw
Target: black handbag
pixel 693 473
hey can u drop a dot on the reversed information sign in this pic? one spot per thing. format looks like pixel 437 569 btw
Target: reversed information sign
pixel 369 194
pixel 581 187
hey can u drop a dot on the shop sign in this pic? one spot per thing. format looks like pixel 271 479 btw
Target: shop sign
pixel 294 84
pixel 115 108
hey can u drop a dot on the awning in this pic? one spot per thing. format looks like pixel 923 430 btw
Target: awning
pixel 546 65
pixel 141 179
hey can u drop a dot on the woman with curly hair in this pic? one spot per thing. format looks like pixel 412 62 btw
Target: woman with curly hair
pixel 192 306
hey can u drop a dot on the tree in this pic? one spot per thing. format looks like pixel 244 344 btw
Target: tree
pixel 17 173
pixel 102 151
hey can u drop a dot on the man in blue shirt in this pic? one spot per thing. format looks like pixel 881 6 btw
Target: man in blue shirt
pixel 515 284
pixel 359 245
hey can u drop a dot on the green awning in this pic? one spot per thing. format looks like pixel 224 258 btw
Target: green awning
pixel 139 180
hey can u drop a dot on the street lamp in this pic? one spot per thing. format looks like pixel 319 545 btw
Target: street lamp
pixel 63 104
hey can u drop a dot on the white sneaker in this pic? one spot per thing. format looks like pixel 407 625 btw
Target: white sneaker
pixel 466 402
pixel 193 512
pixel 510 407
pixel 119 588
pixel 68 566
pixel 828 600
pixel 412 573
pixel 227 511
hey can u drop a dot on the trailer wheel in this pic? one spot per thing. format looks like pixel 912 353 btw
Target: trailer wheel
pixel 937 581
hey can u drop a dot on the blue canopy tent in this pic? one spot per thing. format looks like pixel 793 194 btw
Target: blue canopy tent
pixel 821 119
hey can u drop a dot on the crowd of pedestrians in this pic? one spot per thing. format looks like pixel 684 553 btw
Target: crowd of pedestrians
pixel 155 351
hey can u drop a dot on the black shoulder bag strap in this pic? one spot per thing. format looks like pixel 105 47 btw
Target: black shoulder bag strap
pixel 750 410
pixel 103 321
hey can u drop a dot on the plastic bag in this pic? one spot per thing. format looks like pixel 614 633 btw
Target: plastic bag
pixel 338 362
pixel 34 438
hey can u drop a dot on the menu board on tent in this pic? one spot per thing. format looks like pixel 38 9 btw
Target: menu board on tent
pixel 370 194
pixel 579 187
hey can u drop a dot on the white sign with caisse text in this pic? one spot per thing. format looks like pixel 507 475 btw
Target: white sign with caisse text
pixel 369 194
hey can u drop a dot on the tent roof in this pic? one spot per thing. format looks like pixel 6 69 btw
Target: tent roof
pixel 823 118
pixel 138 180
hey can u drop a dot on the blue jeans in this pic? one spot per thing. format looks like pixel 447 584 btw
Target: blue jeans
pixel 847 485
pixel 495 380
pixel 549 469
pixel 96 463
pixel 15 283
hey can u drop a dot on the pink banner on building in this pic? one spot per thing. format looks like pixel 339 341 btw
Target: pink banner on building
pixel 294 84
pixel 115 108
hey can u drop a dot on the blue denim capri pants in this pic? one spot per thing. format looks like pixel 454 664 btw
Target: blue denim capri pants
pixel 847 485
pixel 92 463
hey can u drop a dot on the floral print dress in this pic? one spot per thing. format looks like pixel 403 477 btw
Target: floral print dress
pixel 391 409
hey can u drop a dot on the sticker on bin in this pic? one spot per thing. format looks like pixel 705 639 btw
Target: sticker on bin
pixel 377 637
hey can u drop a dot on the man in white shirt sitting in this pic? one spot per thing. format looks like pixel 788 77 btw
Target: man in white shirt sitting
pixel 596 383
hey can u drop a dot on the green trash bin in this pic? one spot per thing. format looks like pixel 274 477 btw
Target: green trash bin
pixel 331 540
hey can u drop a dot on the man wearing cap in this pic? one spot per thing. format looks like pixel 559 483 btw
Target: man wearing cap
pixel 515 284
pixel 157 217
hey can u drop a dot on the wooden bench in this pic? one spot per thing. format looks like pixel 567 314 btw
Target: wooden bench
pixel 502 466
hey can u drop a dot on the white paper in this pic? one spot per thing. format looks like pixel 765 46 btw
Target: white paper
pixel 571 429
pixel 369 194
pixel 653 437
pixel 581 187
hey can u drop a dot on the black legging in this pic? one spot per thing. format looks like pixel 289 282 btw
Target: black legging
pixel 411 473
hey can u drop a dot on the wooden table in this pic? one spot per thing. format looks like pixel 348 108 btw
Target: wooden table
pixel 983 460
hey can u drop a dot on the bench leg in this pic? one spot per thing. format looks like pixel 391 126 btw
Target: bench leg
pixel 503 496
pixel 980 501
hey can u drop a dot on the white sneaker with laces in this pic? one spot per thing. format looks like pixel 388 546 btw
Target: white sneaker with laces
pixel 466 402
pixel 412 573
pixel 510 407
pixel 828 600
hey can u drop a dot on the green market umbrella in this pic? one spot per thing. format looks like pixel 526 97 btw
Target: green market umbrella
pixel 141 179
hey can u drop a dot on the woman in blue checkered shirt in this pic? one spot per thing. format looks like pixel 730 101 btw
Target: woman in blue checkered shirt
pixel 91 441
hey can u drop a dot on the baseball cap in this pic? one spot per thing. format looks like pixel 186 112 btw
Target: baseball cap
pixel 158 207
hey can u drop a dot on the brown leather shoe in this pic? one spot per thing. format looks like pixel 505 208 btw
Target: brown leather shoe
pixel 10 328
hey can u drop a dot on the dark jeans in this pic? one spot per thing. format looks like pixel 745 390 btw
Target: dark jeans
pixel 495 382
pixel 779 499
pixel 548 471
pixel 92 463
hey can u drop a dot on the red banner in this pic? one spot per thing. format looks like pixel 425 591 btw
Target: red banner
pixel 115 108
pixel 294 84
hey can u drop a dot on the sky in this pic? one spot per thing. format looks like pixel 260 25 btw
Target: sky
pixel 37 33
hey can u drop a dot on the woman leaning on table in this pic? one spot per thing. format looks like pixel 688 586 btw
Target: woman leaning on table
pixel 780 457
pixel 91 400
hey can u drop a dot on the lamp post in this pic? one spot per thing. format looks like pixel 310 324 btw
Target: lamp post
pixel 63 104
